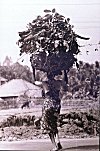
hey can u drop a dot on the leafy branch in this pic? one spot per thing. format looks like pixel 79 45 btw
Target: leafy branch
pixel 51 42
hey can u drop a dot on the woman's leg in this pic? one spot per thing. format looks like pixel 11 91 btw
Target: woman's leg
pixel 55 141
pixel 52 138
pixel 58 144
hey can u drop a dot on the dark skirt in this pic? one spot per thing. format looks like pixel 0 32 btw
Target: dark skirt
pixel 50 114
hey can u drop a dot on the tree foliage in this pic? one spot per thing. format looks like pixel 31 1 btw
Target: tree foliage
pixel 51 42
pixel 16 71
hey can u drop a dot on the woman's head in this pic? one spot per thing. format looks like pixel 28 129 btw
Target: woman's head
pixel 50 75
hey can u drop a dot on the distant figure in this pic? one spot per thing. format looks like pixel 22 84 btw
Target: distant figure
pixel 26 104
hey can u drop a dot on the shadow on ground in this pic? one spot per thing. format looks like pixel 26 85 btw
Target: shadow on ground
pixel 83 148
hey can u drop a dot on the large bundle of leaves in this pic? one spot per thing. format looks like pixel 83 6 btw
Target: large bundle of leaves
pixel 51 42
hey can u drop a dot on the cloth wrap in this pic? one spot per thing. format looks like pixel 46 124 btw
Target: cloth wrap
pixel 50 113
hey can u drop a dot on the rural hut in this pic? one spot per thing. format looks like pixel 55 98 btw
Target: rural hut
pixel 18 89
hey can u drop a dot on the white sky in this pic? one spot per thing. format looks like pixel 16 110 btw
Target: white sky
pixel 16 14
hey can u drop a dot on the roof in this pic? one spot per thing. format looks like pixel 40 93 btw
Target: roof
pixel 3 79
pixel 17 87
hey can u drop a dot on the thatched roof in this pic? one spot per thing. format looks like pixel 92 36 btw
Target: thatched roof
pixel 17 87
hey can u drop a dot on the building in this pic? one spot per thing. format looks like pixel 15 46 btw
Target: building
pixel 2 80
pixel 7 61
pixel 16 91
pixel 18 87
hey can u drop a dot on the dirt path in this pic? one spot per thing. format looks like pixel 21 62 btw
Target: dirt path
pixel 89 144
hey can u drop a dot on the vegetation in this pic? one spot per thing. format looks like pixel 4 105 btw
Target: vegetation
pixel 16 71
pixel 51 42
pixel 78 124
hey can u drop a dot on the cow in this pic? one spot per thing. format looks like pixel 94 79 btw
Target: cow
pixel 25 104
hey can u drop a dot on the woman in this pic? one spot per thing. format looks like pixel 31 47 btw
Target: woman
pixel 51 108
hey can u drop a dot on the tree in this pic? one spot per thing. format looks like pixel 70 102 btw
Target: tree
pixel 16 71
pixel 51 42
pixel 21 72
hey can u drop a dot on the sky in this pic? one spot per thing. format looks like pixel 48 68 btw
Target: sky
pixel 16 14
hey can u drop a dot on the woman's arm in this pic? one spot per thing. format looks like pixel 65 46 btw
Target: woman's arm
pixel 38 83
pixel 64 84
pixel 65 77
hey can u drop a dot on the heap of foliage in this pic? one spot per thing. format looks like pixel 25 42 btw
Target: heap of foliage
pixel 51 42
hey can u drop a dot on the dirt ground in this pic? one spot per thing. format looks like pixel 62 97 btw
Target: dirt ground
pixel 89 144
pixel 24 132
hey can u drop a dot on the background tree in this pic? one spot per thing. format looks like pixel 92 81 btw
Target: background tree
pixel 16 71
pixel 21 72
